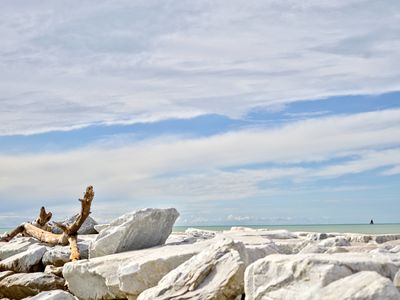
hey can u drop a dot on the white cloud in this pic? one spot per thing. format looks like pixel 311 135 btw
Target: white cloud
pixel 125 61
pixel 151 169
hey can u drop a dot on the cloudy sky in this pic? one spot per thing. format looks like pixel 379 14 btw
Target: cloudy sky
pixel 234 112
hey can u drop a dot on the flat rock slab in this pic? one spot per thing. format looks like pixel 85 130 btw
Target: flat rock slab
pixel 22 285
pixel 290 276
pixel 15 246
pixel 133 231
pixel 26 261
pixel 126 274
pixel 54 295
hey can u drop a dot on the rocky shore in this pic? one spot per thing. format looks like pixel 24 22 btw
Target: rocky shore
pixel 138 257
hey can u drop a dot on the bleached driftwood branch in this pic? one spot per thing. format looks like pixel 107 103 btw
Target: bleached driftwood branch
pixel 40 230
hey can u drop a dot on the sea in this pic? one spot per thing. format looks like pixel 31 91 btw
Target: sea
pixel 349 228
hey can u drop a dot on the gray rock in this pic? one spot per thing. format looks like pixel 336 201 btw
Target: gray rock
pixel 15 246
pixel 59 255
pixel 22 285
pixel 337 250
pixel 316 236
pixel 86 228
pixel 364 285
pixel 26 261
pixel 137 230
pixel 383 238
pixel 54 295
pixel 50 269
pixel 296 276
pixel 338 241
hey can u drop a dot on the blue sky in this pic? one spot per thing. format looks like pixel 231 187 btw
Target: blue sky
pixel 266 112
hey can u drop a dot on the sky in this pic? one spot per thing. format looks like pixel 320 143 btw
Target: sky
pixel 234 112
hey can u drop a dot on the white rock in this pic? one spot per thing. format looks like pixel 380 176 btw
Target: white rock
pixel 15 246
pixel 200 233
pixel 396 280
pixel 316 236
pixel 59 255
pixel 338 241
pixel 100 227
pixel 86 228
pixel 289 276
pixel 26 261
pixel 180 238
pixel 4 274
pixel 337 250
pixel 364 285
pixel 22 285
pixel 126 274
pixel 313 248
pixel 137 230
pixel 215 273
pixel 54 295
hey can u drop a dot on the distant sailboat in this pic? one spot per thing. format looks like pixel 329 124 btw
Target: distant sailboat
pixel 371 222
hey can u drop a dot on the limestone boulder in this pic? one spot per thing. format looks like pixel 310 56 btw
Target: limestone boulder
pixel 27 261
pixel 100 227
pixel 215 273
pixel 59 255
pixel 383 238
pixel 364 285
pixel 289 276
pixel 4 274
pixel 126 274
pixel 54 295
pixel 86 228
pixel 15 246
pixel 338 241
pixel 396 280
pixel 133 231
pixel 50 269
pixel 22 285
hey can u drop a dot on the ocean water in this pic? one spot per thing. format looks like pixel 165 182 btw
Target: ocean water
pixel 349 228
pixel 353 228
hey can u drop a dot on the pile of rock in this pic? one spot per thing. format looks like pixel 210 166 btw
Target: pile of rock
pixel 137 257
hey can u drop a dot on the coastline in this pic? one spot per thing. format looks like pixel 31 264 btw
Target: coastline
pixel 384 228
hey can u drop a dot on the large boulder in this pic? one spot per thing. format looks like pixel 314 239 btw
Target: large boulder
pixel 27 261
pixel 364 285
pixel 15 246
pixel 22 285
pixel 126 274
pixel 137 230
pixel 86 228
pixel 215 273
pixel 54 295
pixel 291 276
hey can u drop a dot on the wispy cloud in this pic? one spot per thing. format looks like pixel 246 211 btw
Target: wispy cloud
pixel 194 168
pixel 125 61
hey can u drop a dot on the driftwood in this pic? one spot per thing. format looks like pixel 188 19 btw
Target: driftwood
pixel 41 231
